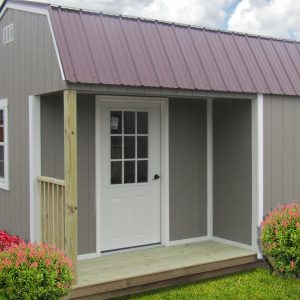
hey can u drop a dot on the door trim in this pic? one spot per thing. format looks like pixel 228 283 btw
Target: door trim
pixel 164 105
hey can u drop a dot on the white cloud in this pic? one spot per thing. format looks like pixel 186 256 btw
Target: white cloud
pixel 205 13
pixel 279 18
pixel 210 13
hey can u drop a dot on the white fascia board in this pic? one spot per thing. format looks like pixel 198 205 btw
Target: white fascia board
pixel 41 9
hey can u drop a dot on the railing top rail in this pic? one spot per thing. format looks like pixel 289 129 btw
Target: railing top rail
pixel 51 180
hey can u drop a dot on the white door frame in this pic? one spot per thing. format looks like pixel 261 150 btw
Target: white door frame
pixel 164 104
pixel 257 167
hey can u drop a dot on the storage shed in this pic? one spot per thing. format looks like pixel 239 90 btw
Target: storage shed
pixel 121 134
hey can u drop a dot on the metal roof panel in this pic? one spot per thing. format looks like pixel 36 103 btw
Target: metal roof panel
pixel 114 50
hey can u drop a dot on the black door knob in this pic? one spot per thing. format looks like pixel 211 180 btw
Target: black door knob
pixel 156 176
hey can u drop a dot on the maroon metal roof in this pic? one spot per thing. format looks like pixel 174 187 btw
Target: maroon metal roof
pixel 115 50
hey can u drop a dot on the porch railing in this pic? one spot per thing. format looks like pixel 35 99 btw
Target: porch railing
pixel 52 193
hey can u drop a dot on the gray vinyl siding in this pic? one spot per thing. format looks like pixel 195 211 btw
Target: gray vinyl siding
pixel 52 136
pixel 28 67
pixel 232 175
pixel 188 169
pixel 281 151
pixel 52 140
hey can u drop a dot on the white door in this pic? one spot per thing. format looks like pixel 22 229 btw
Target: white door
pixel 129 174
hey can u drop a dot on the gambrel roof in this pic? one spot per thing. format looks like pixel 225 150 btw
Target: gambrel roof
pixel 96 48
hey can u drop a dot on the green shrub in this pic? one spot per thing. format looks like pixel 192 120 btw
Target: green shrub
pixel 29 271
pixel 280 240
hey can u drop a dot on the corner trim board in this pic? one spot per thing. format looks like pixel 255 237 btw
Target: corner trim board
pixel 257 167
pixel 209 139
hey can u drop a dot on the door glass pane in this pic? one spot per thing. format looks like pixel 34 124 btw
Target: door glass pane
pixel 142 146
pixel 1 134
pixel 129 122
pixel 1 169
pixel 1 153
pixel 116 122
pixel 129 147
pixel 142 123
pixel 129 172
pixel 142 171
pixel 116 172
pixel 1 117
pixel 116 147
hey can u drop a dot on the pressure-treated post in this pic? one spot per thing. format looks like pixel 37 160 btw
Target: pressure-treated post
pixel 70 157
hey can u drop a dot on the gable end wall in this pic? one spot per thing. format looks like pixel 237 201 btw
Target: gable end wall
pixel 28 67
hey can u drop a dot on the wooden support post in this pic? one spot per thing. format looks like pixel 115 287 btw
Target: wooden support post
pixel 70 158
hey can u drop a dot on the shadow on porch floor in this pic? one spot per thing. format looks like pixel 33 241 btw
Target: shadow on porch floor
pixel 117 274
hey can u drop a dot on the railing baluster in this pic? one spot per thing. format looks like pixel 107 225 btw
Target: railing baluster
pixel 52 193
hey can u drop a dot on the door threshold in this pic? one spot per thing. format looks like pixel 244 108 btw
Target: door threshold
pixel 131 249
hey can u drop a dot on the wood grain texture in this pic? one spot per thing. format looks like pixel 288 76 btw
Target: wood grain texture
pixel 52 138
pixel 174 281
pixel 52 195
pixel 70 160
pixel 132 270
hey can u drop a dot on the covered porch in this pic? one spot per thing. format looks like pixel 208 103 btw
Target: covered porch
pixel 209 189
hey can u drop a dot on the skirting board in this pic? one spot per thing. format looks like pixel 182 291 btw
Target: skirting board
pixel 86 256
pixel 189 241
pixel 231 243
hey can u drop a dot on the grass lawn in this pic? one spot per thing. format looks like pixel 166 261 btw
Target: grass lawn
pixel 257 284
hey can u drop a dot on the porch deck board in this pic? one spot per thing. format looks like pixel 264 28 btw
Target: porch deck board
pixel 115 268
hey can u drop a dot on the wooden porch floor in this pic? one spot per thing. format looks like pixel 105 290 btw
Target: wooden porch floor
pixel 123 273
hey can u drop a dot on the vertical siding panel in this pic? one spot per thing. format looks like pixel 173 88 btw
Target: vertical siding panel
pixel 188 204
pixel 288 149
pixel 277 151
pixel 281 150
pixel 41 52
pixel 58 136
pixel 297 151
pixel 83 192
pixel 92 173
pixel 267 153
pixel 52 130
pixel 18 54
pixel 232 170
pixel 48 72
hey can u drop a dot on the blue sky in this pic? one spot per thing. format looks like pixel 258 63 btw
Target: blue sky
pixel 229 11
pixel 277 18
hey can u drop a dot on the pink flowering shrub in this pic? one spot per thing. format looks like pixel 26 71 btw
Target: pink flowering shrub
pixel 280 240
pixel 7 240
pixel 29 271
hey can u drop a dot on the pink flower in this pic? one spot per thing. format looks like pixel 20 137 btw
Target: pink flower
pixel 292 264
pixel 48 262
pixel 34 265
pixel 285 223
